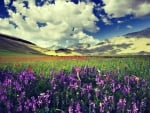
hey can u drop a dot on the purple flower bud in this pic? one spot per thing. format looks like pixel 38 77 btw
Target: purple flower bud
pixel 121 104
pixel 3 98
pixel 89 87
pixel 18 86
pixel 7 82
pixel 111 99
pixel 126 90
pixel 96 92
pixel 134 108
pixel 83 91
pixel 19 108
pixel 78 108
pixel 100 83
pixel 92 107
pixel 101 107
pixel 129 111
pixel 9 105
pixel 70 109
pixel 27 104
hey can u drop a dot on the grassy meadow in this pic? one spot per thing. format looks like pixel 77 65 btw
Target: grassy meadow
pixel 139 65
pixel 48 84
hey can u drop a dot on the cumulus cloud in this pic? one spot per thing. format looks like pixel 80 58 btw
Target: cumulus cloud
pixel 120 8
pixel 64 22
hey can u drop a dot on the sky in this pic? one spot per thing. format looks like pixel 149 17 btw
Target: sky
pixel 67 22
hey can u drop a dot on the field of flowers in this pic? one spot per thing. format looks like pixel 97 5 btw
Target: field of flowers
pixel 45 64
pixel 99 85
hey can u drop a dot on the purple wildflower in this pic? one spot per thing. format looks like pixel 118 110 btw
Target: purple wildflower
pixel 134 108
pixel 126 89
pixel 111 99
pixel 70 109
pixel 78 108
pixel 83 91
pixel 101 107
pixel 27 104
pixel 18 86
pixel 97 91
pixel 9 105
pixel 89 87
pixel 129 111
pixel 7 82
pixel 19 108
pixel 121 104
pixel 92 107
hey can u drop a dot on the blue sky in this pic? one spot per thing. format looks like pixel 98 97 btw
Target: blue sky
pixel 128 26
pixel 66 22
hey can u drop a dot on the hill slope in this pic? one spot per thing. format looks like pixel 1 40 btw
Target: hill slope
pixel 138 34
pixel 15 45
pixel 11 45
pixel 137 43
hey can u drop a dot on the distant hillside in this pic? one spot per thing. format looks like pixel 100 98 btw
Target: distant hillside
pixel 64 50
pixel 15 39
pixel 138 34
pixel 16 45
pixel 136 43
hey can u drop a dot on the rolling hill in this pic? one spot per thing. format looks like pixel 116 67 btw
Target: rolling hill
pixel 139 34
pixel 136 43
pixel 16 46
pixel 13 45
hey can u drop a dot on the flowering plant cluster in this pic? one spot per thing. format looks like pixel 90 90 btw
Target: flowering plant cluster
pixel 83 90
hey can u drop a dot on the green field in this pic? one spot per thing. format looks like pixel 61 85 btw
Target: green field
pixel 44 84
pixel 139 66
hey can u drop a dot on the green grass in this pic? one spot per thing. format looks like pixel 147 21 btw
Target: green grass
pixel 11 53
pixel 139 66
pixel 4 52
pixel 7 52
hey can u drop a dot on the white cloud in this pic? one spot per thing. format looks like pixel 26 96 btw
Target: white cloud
pixel 129 27
pixel 60 18
pixel 120 8
pixel 84 38
pixel 106 21
pixel 119 21
pixel 143 9
pixel 7 2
